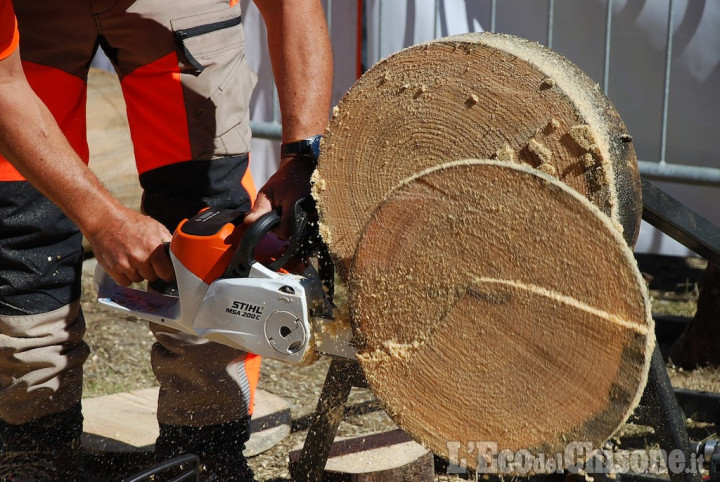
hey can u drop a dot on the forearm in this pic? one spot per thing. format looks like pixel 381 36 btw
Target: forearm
pixel 301 58
pixel 31 140
pixel 128 244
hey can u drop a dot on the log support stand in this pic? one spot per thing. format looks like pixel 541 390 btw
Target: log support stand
pixel 659 409
pixel 342 376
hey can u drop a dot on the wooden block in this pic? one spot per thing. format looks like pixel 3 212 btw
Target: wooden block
pixel 126 422
pixel 270 423
pixel 385 456
pixel 121 422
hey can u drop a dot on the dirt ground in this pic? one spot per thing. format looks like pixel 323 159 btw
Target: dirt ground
pixel 120 362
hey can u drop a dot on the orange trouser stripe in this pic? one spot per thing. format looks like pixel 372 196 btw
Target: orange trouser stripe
pixel 248 183
pixel 156 114
pixel 252 371
pixel 9 38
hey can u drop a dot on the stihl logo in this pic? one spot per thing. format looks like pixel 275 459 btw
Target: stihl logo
pixel 245 310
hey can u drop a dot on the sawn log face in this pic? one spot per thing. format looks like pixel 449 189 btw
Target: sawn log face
pixel 492 303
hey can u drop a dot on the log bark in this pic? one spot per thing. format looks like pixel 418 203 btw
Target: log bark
pixel 479 195
pixel 472 96
pixel 492 303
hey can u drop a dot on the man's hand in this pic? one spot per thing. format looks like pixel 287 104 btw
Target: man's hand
pixel 289 183
pixel 130 248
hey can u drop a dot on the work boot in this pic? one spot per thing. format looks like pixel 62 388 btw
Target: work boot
pixel 219 447
pixel 46 449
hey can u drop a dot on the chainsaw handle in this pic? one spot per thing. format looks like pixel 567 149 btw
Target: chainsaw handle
pixel 244 257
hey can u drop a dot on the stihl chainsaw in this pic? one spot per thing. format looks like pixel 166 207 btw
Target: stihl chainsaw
pixel 226 295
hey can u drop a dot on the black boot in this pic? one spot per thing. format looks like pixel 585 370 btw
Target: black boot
pixel 45 449
pixel 219 448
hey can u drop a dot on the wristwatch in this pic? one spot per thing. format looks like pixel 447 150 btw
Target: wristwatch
pixel 309 148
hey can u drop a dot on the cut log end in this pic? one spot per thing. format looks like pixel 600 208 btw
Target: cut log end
pixel 493 303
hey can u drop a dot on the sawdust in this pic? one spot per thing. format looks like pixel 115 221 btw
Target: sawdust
pixel 584 137
pixel 472 100
pixel 547 83
pixel 506 153
pixel 588 160
pixel 548 169
pixel 318 184
pixel 551 126
pixel 544 155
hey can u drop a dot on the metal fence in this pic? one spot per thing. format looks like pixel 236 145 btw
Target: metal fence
pixel 659 169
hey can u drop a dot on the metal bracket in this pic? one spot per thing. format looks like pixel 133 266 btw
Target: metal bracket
pixel 680 222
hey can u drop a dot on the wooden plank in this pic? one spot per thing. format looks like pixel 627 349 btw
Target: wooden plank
pixel 377 457
pixel 121 421
pixel 126 422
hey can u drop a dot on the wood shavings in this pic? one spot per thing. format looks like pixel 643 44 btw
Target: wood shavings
pixel 506 153
pixel 548 169
pixel 588 160
pixel 585 138
pixel 543 153
pixel 547 83
pixel 472 100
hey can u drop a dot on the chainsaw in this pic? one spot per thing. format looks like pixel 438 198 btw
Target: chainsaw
pixel 229 294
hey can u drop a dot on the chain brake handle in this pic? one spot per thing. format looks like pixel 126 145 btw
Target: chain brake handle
pixel 244 257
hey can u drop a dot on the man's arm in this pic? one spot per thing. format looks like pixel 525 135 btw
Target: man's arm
pixel 301 59
pixel 126 243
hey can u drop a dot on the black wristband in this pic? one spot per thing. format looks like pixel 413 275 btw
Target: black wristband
pixel 309 148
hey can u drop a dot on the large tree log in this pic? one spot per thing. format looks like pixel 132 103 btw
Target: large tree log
pixel 492 300
pixel 482 96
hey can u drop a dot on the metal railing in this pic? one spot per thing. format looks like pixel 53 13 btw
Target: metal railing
pixel 657 170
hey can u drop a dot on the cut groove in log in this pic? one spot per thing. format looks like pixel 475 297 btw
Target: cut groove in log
pixel 493 303
pixel 485 96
